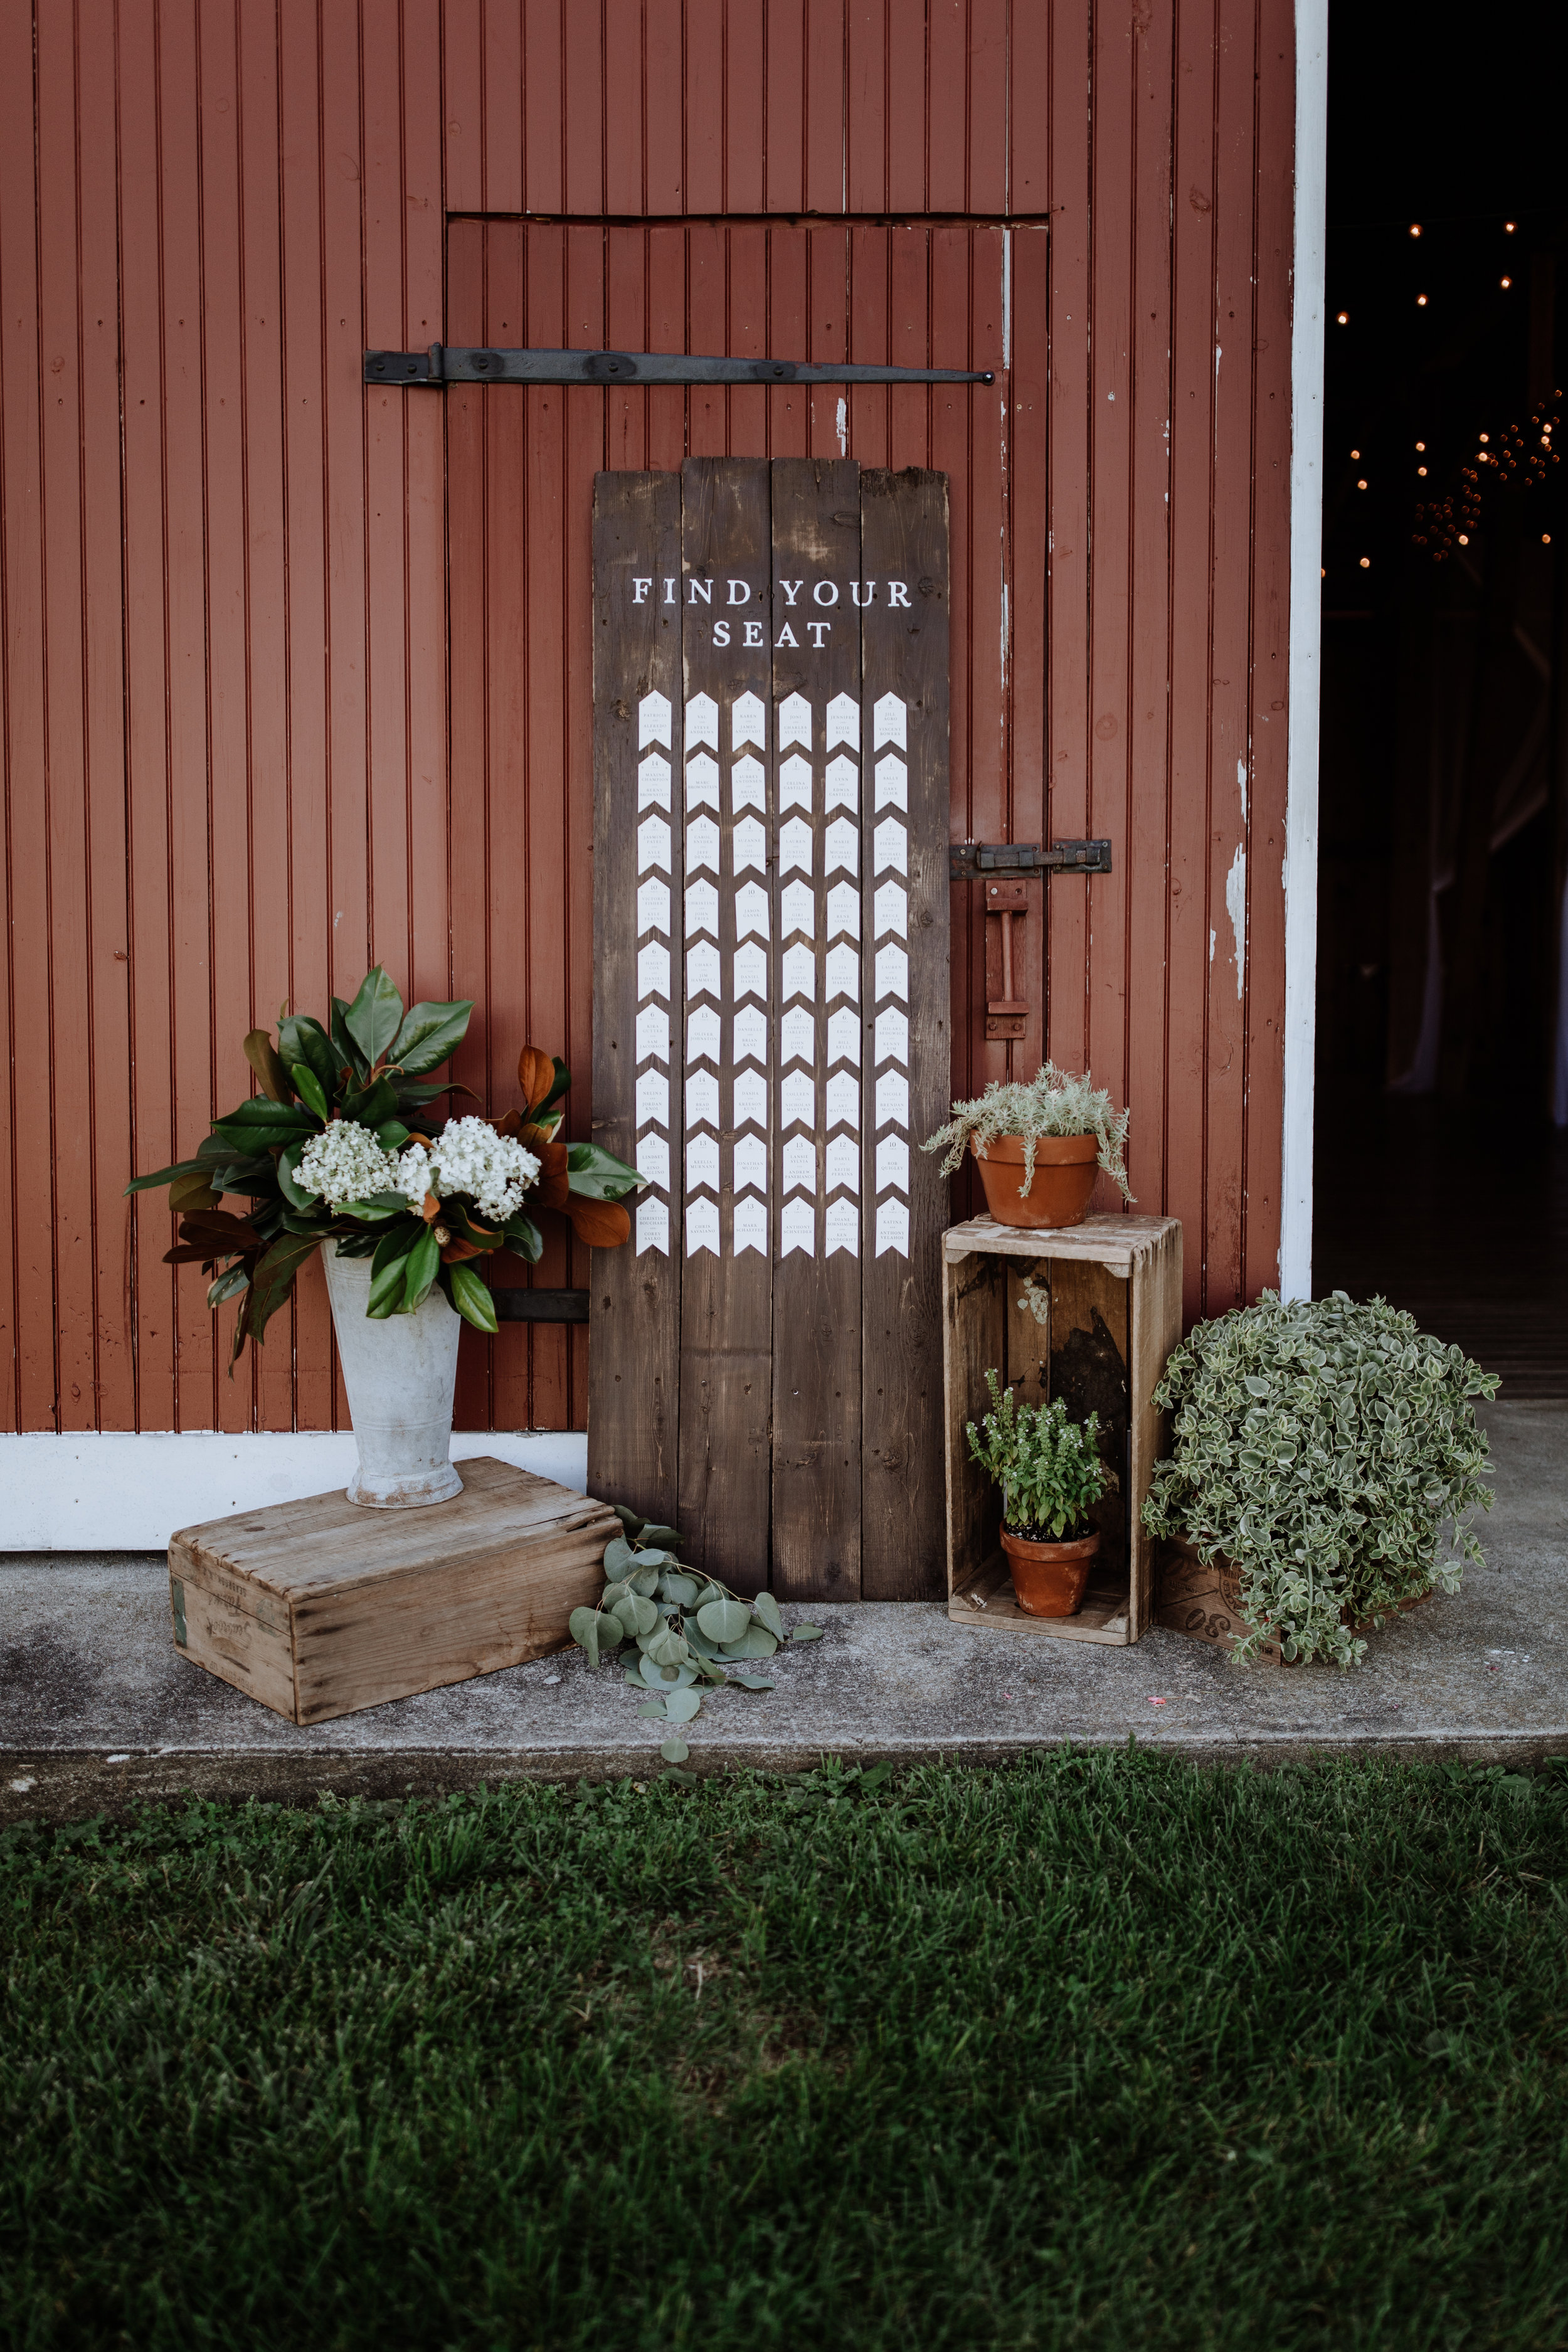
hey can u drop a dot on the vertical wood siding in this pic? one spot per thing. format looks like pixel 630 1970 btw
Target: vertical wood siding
pixel 295 673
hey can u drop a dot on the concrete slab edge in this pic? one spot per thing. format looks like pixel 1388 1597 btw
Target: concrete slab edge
pixel 64 1785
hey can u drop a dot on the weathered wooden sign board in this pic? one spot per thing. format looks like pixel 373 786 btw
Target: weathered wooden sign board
pixel 771 1016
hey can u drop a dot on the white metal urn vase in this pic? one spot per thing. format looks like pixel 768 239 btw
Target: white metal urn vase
pixel 400 1371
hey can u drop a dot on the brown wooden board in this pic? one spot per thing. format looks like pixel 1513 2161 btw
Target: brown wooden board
pixel 319 1607
pixel 634 1354
pixel 758 1421
pixel 726 1310
pixel 816 1289
pixel 1088 1373
pixel 903 653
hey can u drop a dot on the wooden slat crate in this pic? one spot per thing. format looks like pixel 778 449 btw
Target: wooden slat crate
pixel 1088 1313
pixel 319 1607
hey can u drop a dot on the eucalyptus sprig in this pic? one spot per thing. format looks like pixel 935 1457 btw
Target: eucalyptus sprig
pixel 687 1625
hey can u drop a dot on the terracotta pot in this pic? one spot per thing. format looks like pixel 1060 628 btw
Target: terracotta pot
pixel 1048 1579
pixel 1065 1169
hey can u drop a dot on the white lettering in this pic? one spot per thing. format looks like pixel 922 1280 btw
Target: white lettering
pixel 746 594
pixel 819 629
pixel 639 590
pixel 669 592
pixel 827 592
pixel 786 636
pixel 899 594
pixel 868 585
pixel 721 632
pixel 703 588
pixel 791 588
pixel 753 635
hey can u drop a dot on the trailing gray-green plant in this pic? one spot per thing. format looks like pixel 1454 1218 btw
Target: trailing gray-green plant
pixel 688 1627
pixel 1047 1465
pixel 1320 1447
pixel 1053 1102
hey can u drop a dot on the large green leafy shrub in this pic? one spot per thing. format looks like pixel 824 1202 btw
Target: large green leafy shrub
pixel 1320 1446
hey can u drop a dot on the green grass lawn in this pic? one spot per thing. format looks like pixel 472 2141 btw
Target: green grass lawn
pixel 1099 2051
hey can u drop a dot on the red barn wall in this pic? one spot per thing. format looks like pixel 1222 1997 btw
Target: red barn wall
pixel 296 671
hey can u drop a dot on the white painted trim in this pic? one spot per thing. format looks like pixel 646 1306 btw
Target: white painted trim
pixel 1301 876
pixel 121 1491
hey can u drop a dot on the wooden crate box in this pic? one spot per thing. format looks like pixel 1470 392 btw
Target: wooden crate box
pixel 1087 1313
pixel 321 1607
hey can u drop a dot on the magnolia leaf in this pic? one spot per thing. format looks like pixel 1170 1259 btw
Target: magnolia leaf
pixel 302 1040
pixel 755 1642
pixel 751 1682
pixel 602 1225
pixel 386 1287
pixel 423 1259
pixel 681 1705
pixel 288 1166
pixel 523 1237
pixel 767 1609
pixel 471 1295
pixel 724 1620
pixel 310 1091
pixel 805 1633
pixel 372 1020
pixel 193 1191
pixel 675 1751
pixel 167 1175
pixel 597 1174
pixel 260 1054
pixel 535 1077
pixel 630 1521
pixel 430 1034
pixel 228 1286
pixel 272 1278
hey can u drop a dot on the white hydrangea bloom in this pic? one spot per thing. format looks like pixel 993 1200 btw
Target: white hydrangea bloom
pixel 411 1173
pixel 492 1170
pixel 345 1162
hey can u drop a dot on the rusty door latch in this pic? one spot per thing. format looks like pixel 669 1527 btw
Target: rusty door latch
pixel 1014 873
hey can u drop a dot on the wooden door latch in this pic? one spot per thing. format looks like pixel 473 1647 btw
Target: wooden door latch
pixel 1011 871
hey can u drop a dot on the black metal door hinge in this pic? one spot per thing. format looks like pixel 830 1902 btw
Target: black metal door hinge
pixel 968 860
pixel 473 363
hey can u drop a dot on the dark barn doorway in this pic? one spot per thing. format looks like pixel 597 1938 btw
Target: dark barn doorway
pixel 1441 1161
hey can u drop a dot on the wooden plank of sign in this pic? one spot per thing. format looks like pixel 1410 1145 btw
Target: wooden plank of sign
pixel 634 1357
pixel 726 1312
pixel 903 527
pixel 816 1300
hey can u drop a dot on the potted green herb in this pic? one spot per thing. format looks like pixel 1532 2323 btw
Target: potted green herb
pixel 1054 1130
pixel 1320 1447
pixel 1050 1469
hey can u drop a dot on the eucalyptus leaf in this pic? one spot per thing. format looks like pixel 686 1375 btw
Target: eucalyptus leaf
pixel 675 1751
pixel 756 1642
pixel 681 1705
pixel 805 1633
pixel 767 1609
pixel 652 1706
pixel 645 1581
pixel 584 1627
pixel 652 1535
pixel 653 1559
pixel 751 1682
pixel 667 1648
pixel 683 1590
pixel 619 1555
pixel 661 1678
pixel 724 1621
pixel 628 1519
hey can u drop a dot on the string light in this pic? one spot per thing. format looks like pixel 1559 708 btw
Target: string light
pixel 1415 228
pixel 1421 470
pixel 1355 453
pixel 1509 226
pixel 1366 563
pixel 1464 538
pixel 1421 301
pixel 1360 486
pixel 1421 445
pixel 1546 539
pixel 1345 318
pixel 1508 281
pixel 1484 437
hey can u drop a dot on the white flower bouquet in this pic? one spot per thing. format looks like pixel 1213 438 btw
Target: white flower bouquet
pixel 340 1145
